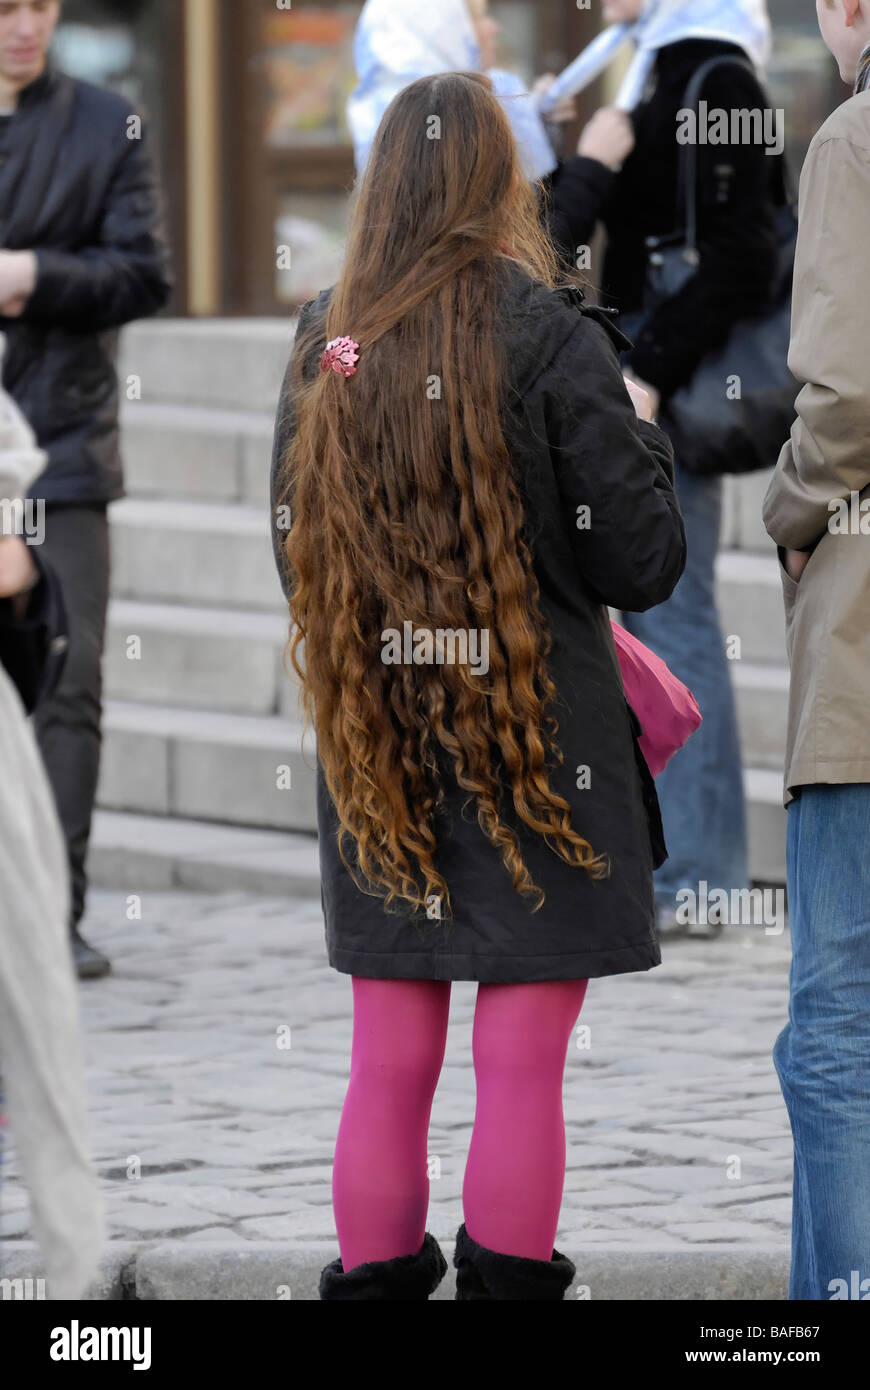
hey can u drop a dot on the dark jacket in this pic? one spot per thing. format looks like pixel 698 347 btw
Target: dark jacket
pixel 33 647
pixel 575 440
pixel 738 189
pixel 81 194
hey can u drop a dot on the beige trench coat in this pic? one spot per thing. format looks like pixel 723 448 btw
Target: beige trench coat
pixel 822 479
pixel 41 1046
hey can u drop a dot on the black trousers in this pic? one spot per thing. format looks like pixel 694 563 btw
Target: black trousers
pixel 67 724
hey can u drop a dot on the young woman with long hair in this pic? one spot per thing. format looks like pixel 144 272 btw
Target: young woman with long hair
pixel 461 485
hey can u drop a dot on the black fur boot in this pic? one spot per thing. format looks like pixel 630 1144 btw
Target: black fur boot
pixel 405 1277
pixel 483 1273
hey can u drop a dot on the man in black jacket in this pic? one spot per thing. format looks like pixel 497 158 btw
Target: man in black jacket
pixel 82 251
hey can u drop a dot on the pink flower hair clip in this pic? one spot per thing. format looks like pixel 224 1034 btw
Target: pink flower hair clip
pixel 341 355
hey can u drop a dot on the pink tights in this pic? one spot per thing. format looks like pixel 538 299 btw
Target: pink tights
pixel 515 1172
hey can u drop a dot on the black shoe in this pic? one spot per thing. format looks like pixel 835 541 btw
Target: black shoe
pixel 406 1277
pixel 90 964
pixel 669 927
pixel 486 1274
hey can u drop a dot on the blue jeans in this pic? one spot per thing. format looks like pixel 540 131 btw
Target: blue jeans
pixel 701 789
pixel 822 1056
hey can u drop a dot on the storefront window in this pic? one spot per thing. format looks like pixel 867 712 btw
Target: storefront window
pixel 313 226
pixel 308 59
pixel 802 77
pixel 518 40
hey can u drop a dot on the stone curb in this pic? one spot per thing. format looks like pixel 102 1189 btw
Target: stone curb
pixel 175 1270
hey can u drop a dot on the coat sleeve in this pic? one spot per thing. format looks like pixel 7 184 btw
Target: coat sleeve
pixel 827 456
pixel 615 477
pixel 126 274
pixel 576 194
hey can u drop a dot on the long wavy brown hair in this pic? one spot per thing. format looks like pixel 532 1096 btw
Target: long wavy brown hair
pixel 405 506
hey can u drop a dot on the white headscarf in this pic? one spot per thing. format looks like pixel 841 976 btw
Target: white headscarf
pixel 663 22
pixel 397 41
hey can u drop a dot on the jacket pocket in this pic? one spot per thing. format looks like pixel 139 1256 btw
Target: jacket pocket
pixel 87 389
pixel 789 586
pixel 77 377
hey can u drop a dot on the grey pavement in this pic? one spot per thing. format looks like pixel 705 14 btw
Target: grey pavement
pixel 218 1056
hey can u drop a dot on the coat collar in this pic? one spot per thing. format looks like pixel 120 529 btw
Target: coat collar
pixel 41 86
pixel 541 321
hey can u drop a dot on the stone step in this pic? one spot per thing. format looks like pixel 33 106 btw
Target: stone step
pixel 749 595
pixel 742 501
pixel 232 661
pixel 234 364
pixel 201 765
pixel 197 451
pixel 761 693
pixel 233 368
pixel 137 853
pixel 178 449
pixel 766 818
pixel 219 1269
pixel 217 554
pixel 130 851
pixel 220 659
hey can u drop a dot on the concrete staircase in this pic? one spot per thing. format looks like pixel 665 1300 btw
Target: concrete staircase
pixel 204 779
pixel 203 782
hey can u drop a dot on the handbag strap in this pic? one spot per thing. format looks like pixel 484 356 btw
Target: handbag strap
pixel 687 179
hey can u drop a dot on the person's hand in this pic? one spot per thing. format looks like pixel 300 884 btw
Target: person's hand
pixel 18 271
pixel 652 392
pixel 564 110
pixel 645 397
pixel 796 563
pixel 14 308
pixel 607 137
pixel 639 399
pixel 18 571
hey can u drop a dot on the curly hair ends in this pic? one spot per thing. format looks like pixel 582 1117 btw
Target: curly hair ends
pixel 405 509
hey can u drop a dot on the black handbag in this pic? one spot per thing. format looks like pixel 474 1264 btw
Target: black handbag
pixel 737 409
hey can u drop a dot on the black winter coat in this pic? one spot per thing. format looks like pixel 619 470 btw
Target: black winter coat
pixel 77 191
pixel 575 441
pixel 739 187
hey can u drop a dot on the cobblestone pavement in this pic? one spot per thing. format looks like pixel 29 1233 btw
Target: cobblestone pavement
pixel 206 1125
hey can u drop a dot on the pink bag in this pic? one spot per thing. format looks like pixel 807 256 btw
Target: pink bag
pixel 667 709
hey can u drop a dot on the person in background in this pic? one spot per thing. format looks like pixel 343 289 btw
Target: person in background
pixel 41 1057
pixel 624 176
pixel 815 511
pixel 82 251
pixel 397 41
